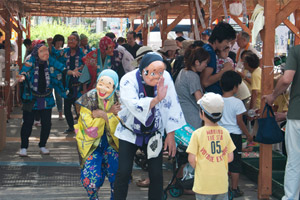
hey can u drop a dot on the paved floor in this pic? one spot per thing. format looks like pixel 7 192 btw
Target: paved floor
pixel 56 176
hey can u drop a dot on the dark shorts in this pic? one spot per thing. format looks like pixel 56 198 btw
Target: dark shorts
pixel 236 165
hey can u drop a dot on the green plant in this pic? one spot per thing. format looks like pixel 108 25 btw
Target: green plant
pixel 46 30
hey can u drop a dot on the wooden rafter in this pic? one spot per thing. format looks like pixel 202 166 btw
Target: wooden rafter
pixel 243 26
pixel 177 20
pixel 286 11
pixel 155 24
pixel 292 27
pixel 139 28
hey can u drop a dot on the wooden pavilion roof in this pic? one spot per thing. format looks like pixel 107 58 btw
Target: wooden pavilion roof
pixel 107 8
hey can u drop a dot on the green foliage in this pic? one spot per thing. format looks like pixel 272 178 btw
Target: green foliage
pixel 46 30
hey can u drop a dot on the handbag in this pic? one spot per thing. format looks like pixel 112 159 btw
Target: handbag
pixel 183 135
pixel 268 130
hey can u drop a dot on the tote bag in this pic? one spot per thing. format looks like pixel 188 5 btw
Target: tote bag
pixel 268 129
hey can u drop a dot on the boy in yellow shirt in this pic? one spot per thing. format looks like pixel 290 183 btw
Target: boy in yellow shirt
pixel 210 150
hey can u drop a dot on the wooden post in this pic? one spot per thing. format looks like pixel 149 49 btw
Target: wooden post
pixel 8 27
pixel 28 24
pixel 265 150
pixel 297 24
pixel 145 31
pixel 191 17
pixel 19 43
pixel 164 26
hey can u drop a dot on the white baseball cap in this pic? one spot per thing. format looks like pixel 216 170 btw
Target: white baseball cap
pixel 212 103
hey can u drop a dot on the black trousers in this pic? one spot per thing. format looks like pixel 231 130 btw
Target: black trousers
pixel 28 119
pixel 127 151
pixel 68 111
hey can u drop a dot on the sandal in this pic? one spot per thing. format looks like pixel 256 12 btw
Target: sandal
pixel 143 183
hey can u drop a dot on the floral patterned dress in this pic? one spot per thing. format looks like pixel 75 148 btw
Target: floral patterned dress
pixel 97 145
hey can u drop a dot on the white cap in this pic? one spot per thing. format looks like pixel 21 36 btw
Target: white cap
pixel 212 103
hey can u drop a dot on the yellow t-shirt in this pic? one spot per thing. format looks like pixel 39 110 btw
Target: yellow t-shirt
pixel 256 84
pixel 211 145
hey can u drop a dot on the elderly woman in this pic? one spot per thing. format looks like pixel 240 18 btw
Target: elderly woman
pixel 40 75
pixel 73 60
pixel 97 145
pixel 84 44
pixel 106 57
pixel 149 107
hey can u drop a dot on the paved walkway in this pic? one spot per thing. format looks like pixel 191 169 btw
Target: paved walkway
pixel 56 176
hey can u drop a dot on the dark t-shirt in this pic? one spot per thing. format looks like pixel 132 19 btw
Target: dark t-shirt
pixel 42 79
pixel 131 49
pixel 216 88
pixel 293 63
pixel 72 62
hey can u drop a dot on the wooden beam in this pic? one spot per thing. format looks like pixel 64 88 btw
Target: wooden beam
pixel 191 5
pixel 28 27
pixel 145 31
pixel 139 28
pixel 83 14
pixel 164 25
pixel 19 43
pixel 155 24
pixel 286 11
pixel 217 13
pixel 165 6
pixel 292 27
pixel 177 20
pixel 243 26
pixel 265 150
pixel 297 25
pixel 7 62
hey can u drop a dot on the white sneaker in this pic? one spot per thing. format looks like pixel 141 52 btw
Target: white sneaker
pixel 44 151
pixel 37 123
pixel 23 152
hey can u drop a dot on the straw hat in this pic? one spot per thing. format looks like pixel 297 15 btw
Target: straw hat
pixel 169 45
pixel 139 55
pixel 185 45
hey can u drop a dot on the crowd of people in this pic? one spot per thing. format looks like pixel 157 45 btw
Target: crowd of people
pixel 127 97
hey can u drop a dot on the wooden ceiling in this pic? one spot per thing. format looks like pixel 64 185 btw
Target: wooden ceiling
pixel 107 8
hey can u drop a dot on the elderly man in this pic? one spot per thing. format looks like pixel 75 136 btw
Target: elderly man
pixel 131 45
pixel 243 41
pixel 292 134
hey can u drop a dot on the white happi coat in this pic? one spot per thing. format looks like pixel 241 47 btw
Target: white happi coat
pixel 168 111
